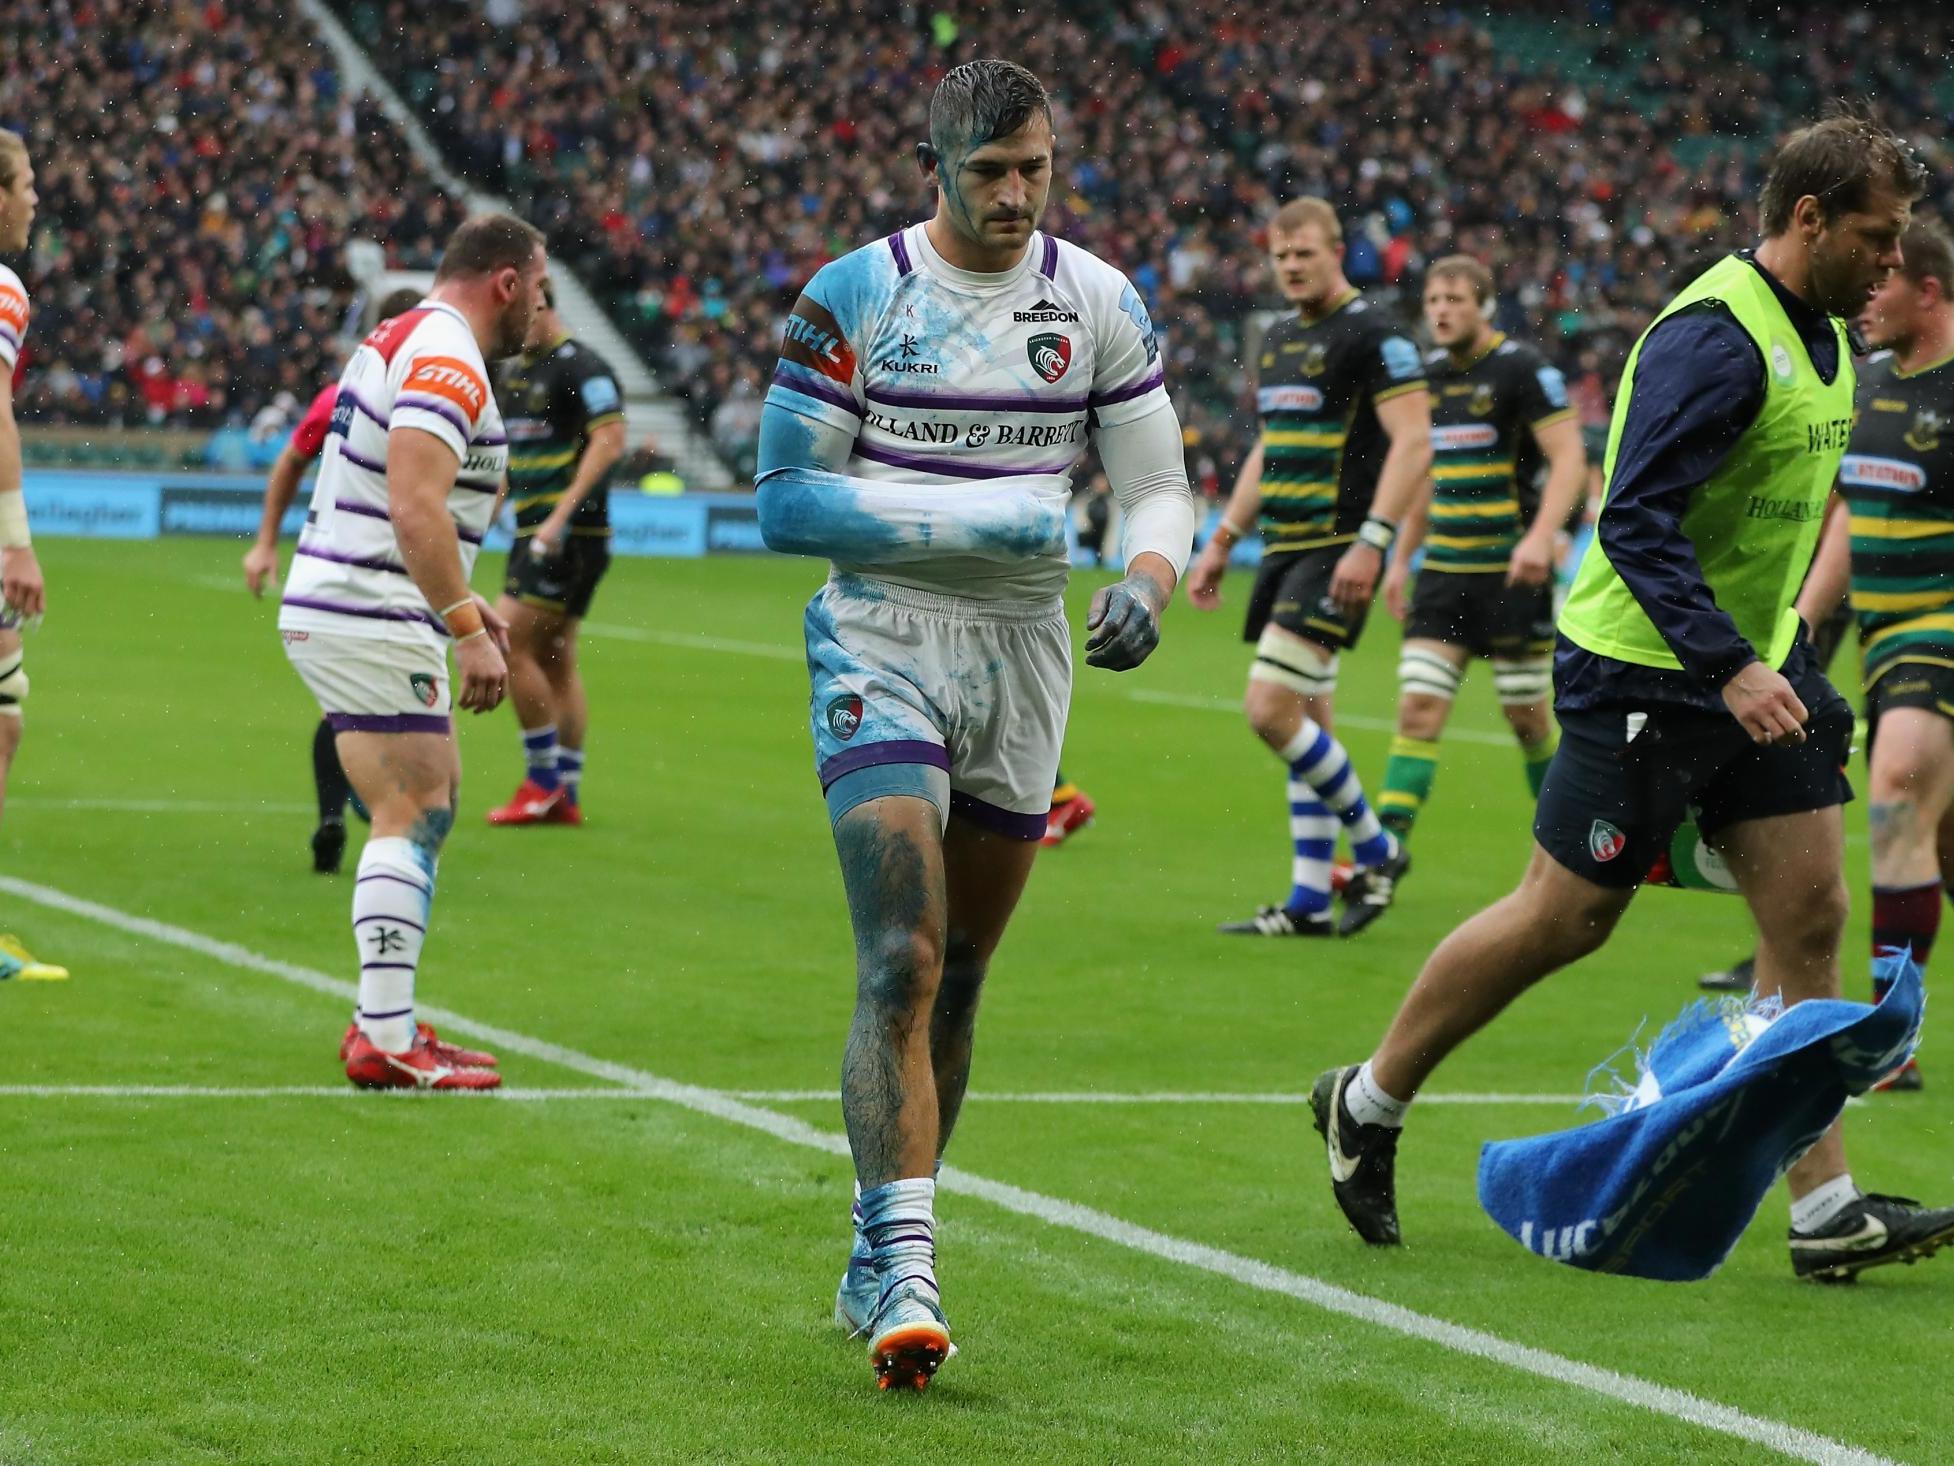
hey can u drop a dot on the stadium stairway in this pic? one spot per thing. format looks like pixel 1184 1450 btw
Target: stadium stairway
pixel 648 409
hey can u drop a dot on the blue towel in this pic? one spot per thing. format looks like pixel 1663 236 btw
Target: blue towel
pixel 1728 1097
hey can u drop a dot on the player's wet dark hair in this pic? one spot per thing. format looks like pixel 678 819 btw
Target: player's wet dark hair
pixel 1839 160
pixel 982 101
pixel 1927 253
pixel 488 243
pixel 396 302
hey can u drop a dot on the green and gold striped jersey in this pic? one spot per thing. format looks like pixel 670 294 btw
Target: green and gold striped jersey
pixel 552 400
pixel 1898 479
pixel 1317 389
pixel 1484 459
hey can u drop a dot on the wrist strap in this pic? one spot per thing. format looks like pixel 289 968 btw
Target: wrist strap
pixel 1235 530
pixel 478 631
pixel 1377 533
pixel 13 521
pixel 464 619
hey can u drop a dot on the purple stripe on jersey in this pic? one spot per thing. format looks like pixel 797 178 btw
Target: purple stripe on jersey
pixel 895 751
pixel 363 562
pixel 358 462
pixel 418 402
pixel 9 335
pixel 948 467
pixel 352 506
pixel 899 247
pixel 371 613
pixel 487 440
pixel 819 390
pixel 347 394
pixel 975 402
pixel 390 723
pixel 995 818
pixel 1051 258
pixel 385 967
pixel 1154 378
pixel 477 485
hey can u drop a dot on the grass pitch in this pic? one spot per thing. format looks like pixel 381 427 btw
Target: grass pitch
pixel 314 1276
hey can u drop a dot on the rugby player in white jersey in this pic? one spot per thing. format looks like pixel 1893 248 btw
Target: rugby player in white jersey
pixel 378 590
pixel 23 595
pixel 934 391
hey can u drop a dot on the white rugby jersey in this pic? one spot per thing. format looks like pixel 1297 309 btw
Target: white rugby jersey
pixel 945 377
pixel 421 369
pixel 13 317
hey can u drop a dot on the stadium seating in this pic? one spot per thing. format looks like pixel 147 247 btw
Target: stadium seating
pixel 198 185
pixel 700 173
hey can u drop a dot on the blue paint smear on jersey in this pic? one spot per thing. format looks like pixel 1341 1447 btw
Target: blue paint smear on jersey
pixel 1135 310
pixel 811 511
pixel 855 288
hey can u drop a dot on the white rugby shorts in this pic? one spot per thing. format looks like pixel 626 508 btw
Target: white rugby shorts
pixel 369 686
pixel 978 689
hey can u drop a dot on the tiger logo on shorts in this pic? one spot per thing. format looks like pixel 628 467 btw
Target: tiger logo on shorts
pixel 425 688
pixel 845 717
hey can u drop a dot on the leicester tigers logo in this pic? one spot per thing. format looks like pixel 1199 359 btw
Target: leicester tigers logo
pixel 425 688
pixel 1050 354
pixel 845 716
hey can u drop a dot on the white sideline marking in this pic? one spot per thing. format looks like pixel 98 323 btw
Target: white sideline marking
pixel 774 1096
pixel 1677 1404
pixel 1149 1097
pixel 163 806
pixel 694 642
pixel 1199 701
pixel 1343 720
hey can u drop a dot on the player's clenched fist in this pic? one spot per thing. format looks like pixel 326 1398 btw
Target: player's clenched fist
pixel 1123 624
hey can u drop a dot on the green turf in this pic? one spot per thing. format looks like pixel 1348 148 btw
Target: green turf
pixel 376 1278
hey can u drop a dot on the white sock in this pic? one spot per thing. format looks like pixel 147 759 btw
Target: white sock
pixel 899 1220
pixel 1815 1208
pixel 391 897
pixel 1369 1104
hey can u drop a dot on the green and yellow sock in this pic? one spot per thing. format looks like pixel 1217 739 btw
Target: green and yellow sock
pixel 1407 783
pixel 1538 757
pixel 1063 790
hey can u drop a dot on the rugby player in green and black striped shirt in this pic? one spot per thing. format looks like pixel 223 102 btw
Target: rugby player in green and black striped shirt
pixel 1346 442
pixel 565 417
pixel 1897 479
pixel 1486 587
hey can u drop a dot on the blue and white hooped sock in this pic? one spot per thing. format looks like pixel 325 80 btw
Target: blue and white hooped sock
pixel 392 896
pixel 539 747
pixel 1313 832
pixel 1320 762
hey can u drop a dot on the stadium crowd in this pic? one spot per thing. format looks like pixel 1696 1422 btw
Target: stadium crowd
pixel 698 172
pixel 201 172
